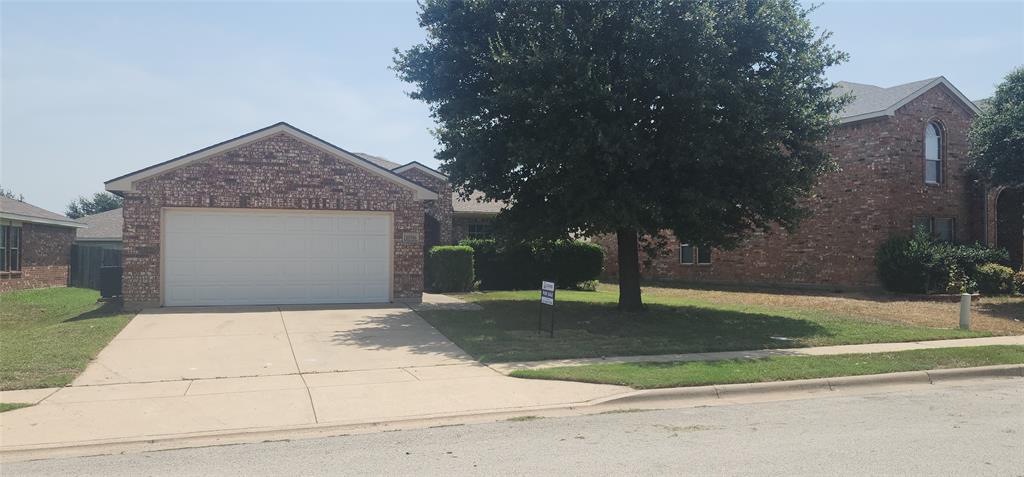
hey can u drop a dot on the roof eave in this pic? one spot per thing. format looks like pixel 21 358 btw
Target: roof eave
pixel 416 165
pixel 126 183
pixel 41 220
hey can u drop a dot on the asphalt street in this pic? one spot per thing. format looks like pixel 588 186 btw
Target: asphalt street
pixel 970 429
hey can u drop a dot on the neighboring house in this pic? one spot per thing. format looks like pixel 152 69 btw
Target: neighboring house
pixel 35 246
pixel 101 230
pixel 279 216
pixel 902 153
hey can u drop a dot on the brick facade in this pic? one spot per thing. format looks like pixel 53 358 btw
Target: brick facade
pixel 877 194
pixel 45 257
pixel 276 172
pixel 440 209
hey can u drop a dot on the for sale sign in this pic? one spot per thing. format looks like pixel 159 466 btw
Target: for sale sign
pixel 547 293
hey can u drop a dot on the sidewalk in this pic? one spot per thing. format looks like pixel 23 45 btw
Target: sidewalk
pixel 506 368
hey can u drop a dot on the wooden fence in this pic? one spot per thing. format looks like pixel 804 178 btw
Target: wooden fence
pixel 86 261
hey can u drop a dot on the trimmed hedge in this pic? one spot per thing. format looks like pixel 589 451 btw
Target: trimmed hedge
pixel 523 266
pixel 921 264
pixel 449 268
pixel 994 279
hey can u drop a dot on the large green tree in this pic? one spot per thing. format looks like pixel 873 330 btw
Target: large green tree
pixel 100 202
pixel 705 118
pixel 997 135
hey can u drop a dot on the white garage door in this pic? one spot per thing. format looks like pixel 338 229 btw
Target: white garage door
pixel 275 257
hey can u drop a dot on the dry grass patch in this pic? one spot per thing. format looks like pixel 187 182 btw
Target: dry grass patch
pixel 999 315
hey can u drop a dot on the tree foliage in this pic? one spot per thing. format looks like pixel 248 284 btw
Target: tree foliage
pixel 997 135
pixel 703 117
pixel 10 194
pixel 100 202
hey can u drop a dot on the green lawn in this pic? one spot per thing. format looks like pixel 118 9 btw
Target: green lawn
pixel 10 406
pixel 47 336
pixel 778 368
pixel 588 325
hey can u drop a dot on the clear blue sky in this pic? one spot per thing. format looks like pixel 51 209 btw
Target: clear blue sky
pixel 93 91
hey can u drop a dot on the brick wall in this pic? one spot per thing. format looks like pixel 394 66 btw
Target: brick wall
pixel 45 258
pixel 877 194
pixel 440 209
pixel 277 172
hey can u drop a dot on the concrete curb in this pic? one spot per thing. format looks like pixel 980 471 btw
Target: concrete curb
pixel 698 395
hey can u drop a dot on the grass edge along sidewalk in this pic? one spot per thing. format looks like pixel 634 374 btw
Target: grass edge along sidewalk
pixel 647 375
pixel 49 335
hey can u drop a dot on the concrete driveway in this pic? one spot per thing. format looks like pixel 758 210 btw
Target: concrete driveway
pixel 174 372
pixel 205 343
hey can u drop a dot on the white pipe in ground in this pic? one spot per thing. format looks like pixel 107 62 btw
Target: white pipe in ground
pixel 965 311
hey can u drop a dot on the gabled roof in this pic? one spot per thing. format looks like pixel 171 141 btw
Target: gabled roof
pixel 14 209
pixel 870 101
pixel 420 167
pixel 380 161
pixel 102 226
pixel 126 183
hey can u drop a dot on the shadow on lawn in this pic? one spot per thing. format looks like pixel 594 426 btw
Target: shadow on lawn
pixel 506 330
pixel 109 308
pixel 1009 310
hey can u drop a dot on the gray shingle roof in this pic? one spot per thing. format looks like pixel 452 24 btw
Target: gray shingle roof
pixel 102 226
pixel 380 161
pixel 870 98
pixel 18 210
pixel 474 204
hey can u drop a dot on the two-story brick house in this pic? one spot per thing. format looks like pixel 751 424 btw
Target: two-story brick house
pixel 901 153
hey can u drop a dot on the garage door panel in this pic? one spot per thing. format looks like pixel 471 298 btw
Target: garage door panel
pixel 378 226
pixel 275 257
pixel 375 248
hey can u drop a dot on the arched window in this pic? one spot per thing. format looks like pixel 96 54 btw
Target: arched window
pixel 933 154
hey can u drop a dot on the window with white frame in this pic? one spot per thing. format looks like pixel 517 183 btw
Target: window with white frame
pixel 942 228
pixel 480 230
pixel 694 255
pixel 10 249
pixel 933 154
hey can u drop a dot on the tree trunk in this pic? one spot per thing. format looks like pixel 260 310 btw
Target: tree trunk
pixel 629 271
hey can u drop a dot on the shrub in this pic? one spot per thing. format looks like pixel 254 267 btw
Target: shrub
pixel 906 264
pixel 570 262
pixel 920 264
pixel 589 285
pixel 449 268
pixel 1018 282
pixel 518 266
pixel 994 279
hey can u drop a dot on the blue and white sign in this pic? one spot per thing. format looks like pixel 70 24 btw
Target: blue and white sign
pixel 547 293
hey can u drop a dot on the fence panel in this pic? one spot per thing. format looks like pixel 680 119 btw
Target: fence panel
pixel 86 261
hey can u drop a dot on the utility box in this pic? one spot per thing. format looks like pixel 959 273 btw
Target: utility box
pixel 110 281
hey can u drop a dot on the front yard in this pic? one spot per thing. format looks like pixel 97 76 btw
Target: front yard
pixel 588 325
pixel 48 336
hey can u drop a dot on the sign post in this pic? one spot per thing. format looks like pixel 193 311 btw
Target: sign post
pixel 547 298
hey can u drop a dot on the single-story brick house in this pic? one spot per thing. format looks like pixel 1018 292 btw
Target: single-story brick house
pixel 279 216
pixel 103 229
pixel 902 153
pixel 35 246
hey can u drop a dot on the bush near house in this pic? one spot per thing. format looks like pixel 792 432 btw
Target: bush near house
pixel 921 264
pixel 994 279
pixel 1018 282
pixel 517 266
pixel 449 268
